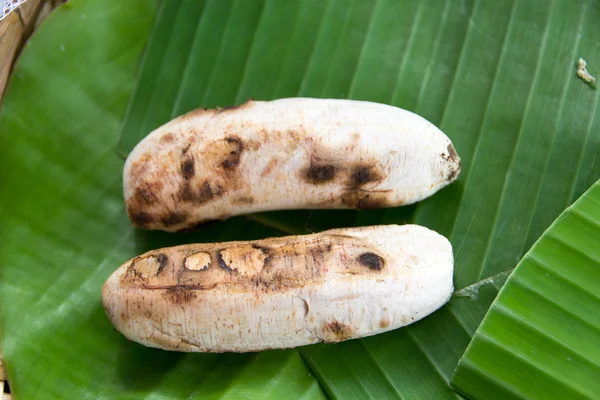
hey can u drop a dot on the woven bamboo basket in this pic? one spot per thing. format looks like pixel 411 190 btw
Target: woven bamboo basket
pixel 15 29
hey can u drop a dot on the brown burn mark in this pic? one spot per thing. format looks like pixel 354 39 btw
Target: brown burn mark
pixel 180 294
pixel 364 200
pixel 293 138
pixel 162 262
pixel 185 192
pixel 144 195
pixel 167 138
pixel 204 193
pixel 264 267
pixel 222 264
pixel 362 174
pixel 141 218
pixel 288 265
pixel 294 264
pixel 371 261
pixel 384 322
pixel 317 173
pixel 187 168
pixel 316 248
pixel 319 252
pixel 139 167
pixel 247 200
pixel 269 168
pixel 321 249
pixel 174 218
pixel 267 252
pixel 233 150
pixel 336 331
pixel 143 267
pixel 131 274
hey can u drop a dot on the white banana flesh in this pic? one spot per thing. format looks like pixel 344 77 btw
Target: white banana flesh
pixel 281 292
pixel 284 154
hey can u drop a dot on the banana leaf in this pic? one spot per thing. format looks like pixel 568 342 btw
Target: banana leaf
pixel 497 77
pixel 541 337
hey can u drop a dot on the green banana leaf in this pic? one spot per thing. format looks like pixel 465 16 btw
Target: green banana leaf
pixel 497 76
pixel 541 337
